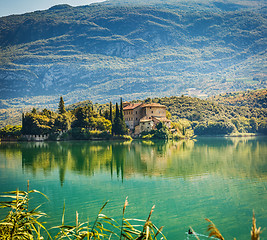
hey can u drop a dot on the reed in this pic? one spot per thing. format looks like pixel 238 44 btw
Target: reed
pixel 193 232
pixel 255 232
pixel 100 230
pixel 213 230
pixel 22 223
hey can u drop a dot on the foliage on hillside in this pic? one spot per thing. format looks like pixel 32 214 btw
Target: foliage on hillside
pixel 195 109
pixel 47 122
pixel 205 117
pixel 10 117
pixel 81 123
pixel 86 103
pixel 105 51
pixel 210 118
pixel 252 99
pixel 10 132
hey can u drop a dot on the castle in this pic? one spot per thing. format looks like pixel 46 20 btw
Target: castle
pixel 140 117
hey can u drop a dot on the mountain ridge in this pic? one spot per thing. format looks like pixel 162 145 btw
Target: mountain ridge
pixel 105 51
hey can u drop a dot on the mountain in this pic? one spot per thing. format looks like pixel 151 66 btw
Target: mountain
pixel 132 50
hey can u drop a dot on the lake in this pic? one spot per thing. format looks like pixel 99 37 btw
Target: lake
pixel 223 179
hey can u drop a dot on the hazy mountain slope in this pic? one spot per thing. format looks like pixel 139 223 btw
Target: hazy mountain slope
pixel 103 51
pixel 219 5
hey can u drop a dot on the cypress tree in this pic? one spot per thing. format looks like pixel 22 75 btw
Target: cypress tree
pixel 121 111
pixel 117 113
pixel 23 123
pixel 61 106
pixel 110 112
pixel 184 131
pixel 106 114
pixel 118 126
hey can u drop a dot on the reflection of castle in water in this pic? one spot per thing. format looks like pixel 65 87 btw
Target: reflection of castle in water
pixel 183 159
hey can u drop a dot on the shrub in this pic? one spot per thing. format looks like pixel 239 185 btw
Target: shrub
pixel 10 132
pixel 214 128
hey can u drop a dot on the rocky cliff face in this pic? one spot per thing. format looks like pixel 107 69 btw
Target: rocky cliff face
pixel 103 51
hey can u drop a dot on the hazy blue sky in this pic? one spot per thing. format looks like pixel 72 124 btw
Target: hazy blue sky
pixel 8 7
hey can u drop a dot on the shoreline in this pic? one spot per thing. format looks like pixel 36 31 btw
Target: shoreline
pixel 123 139
pixel 233 135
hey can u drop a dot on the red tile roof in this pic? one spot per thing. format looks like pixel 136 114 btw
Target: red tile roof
pixel 132 106
pixel 153 105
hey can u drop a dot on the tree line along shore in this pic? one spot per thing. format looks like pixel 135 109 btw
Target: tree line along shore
pixel 189 117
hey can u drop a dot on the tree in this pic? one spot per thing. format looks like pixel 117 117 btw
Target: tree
pixel 184 131
pixel 106 114
pixel 162 131
pixel 121 111
pixel 118 126
pixel 61 106
pixel 214 128
pixel 34 111
pixel 10 131
pixel 110 112
pixel 117 111
pixel 47 113
pixel 37 124
pixel 168 115
pixel 103 124
pixel 83 116
pixel 62 122
pixel 253 124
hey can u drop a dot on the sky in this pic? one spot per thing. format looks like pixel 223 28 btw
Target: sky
pixel 9 7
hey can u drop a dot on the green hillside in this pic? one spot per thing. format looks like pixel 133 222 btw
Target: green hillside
pixel 225 106
pixel 253 99
pixel 104 51
pixel 204 117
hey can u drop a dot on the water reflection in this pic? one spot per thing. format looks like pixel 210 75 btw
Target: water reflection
pixel 233 157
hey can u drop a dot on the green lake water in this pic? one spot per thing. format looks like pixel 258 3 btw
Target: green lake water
pixel 216 178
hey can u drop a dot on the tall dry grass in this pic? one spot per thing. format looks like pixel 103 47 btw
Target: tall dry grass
pixel 215 233
pixel 23 223
pixel 20 222
pixel 255 232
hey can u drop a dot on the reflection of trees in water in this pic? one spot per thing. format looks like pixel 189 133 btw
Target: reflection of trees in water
pixel 11 152
pixel 234 157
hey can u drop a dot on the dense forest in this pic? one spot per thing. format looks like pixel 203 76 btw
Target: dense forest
pixel 241 116
pixel 81 123
pixel 190 116
pixel 210 118
pixel 252 99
